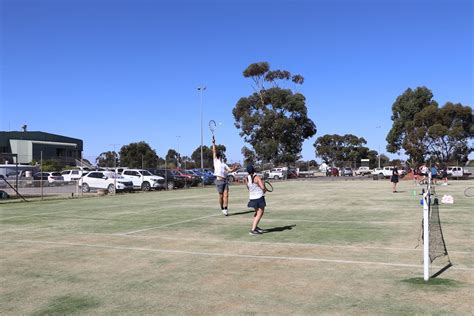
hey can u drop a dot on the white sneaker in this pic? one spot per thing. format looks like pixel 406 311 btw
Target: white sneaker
pixel 225 212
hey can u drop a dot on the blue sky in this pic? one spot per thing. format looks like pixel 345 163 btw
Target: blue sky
pixel 115 72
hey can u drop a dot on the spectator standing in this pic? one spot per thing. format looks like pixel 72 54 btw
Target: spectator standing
pixel 434 174
pixel 394 179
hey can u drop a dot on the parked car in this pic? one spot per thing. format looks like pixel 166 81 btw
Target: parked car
pixel 191 180
pixel 293 173
pixel 237 175
pixel 172 180
pixel 277 173
pixel 53 178
pixel 347 172
pixel 387 171
pixel 332 171
pixel 72 175
pixel 206 177
pixel 104 180
pixel 143 179
pixel 362 171
pixel 458 172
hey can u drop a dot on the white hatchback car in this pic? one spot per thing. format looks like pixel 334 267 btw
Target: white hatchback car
pixel 104 180
pixel 72 175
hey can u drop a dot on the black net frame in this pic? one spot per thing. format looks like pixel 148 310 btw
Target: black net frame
pixel 437 243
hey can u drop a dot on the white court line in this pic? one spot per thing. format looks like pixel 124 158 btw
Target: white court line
pixel 30 215
pixel 231 255
pixel 76 210
pixel 307 245
pixel 170 224
pixel 49 213
pixel 334 221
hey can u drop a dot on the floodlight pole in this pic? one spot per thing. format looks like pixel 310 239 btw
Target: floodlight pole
pixel 201 89
pixel 179 155
pixel 379 156
pixel 115 169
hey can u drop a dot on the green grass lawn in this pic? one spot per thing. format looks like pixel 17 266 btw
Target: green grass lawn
pixel 332 247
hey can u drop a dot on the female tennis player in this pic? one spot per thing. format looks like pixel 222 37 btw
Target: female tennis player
pixel 256 199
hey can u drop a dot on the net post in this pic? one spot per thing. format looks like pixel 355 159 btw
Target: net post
pixel 426 229
pixel 426 238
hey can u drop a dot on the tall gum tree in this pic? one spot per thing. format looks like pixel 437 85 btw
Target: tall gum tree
pixel 427 132
pixel 273 120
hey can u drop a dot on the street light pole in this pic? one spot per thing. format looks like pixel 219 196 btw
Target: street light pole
pixel 379 147
pixel 201 89
pixel 115 168
pixel 178 158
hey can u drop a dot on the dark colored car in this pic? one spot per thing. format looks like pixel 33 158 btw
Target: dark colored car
pixel 347 172
pixel 172 180
pixel 192 180
pixel 206 176
pixel 292 174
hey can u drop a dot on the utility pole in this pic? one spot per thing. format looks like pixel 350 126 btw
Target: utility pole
pixel 115 167
pixel 201 89
pixel 379 147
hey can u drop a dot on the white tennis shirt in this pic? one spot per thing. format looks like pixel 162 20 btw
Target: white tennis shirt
pixel 220 168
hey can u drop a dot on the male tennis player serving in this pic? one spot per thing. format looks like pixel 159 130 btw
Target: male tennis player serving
pixel 221 169
pixel 257 191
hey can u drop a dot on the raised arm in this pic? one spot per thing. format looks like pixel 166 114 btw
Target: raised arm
pixel 214 153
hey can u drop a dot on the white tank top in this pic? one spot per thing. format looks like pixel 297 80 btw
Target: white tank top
pixel 255 192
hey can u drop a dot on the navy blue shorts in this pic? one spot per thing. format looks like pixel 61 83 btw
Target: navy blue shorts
pixel 257 203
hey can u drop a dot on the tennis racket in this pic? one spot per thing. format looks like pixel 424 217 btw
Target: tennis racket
pixel 212 127
pixel 469 192
pixel 268 186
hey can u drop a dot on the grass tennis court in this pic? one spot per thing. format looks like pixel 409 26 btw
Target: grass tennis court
pixel 333 247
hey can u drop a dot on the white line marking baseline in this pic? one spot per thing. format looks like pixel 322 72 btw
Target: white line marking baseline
pixel 230 255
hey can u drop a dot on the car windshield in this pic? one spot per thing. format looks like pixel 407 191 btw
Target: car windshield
pixel 146 173
pixel 56 174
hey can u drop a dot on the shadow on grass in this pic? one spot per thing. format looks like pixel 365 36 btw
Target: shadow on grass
pixel 68 304
pixel 240 213
pixel 279 229
pixel 433 282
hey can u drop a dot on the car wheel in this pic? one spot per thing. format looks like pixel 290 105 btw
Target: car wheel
pixel 276 177
pixel 111 189
pixel 170 185
pixel 85 188
pixel 146 186
pixel 231 179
